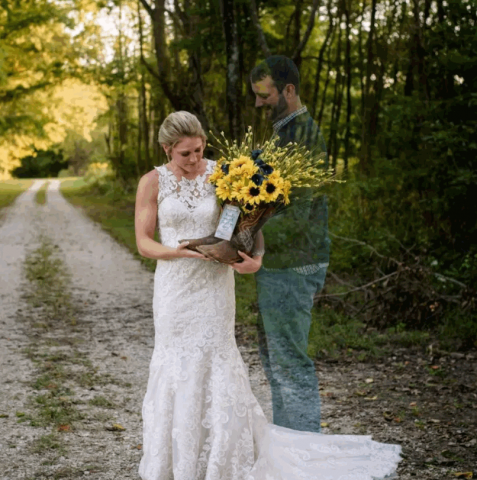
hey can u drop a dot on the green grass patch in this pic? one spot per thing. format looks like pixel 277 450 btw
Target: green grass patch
pixel 49 280
pixel 100 401
pixel 10 189
pixel 47 443
pixel 40 196
pixel 333 334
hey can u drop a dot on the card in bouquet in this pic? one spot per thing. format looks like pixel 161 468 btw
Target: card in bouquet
pixel 227 222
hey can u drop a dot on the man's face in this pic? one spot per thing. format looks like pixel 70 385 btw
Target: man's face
pixel 267 97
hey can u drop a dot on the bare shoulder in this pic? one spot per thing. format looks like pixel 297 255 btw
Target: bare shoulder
pixel 148 187
pixel 149 182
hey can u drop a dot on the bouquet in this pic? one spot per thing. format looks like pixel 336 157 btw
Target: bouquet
pixel 251 185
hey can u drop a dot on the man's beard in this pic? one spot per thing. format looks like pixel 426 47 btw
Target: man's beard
pixel 278 111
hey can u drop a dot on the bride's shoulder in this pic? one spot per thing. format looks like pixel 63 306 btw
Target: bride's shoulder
pixel 148 183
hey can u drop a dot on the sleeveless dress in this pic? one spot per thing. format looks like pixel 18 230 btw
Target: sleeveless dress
pixel 201 420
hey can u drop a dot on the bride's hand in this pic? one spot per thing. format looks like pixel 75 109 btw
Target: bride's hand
pixel 249 264
pixel 184 252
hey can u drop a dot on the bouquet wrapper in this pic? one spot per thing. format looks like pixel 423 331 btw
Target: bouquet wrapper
pixel 243 238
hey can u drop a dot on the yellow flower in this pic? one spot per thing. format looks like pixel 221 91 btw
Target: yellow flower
pixel 223 190
pixel 238 162
pixel 216 175
pixel 249 169
pixel 237 188
pixel 271 190
pixel 252 194
pixel 243 166
pixel 286 192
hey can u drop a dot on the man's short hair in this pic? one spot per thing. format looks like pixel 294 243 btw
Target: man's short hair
pixel 282 70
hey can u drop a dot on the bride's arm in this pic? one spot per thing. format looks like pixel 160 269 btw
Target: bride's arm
pixel 145 223
pixel 252 264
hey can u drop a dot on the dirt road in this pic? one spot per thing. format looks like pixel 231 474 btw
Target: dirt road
pixel 113 336
pixel 73 375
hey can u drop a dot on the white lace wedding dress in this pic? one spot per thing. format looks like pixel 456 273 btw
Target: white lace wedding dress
pixel 201 419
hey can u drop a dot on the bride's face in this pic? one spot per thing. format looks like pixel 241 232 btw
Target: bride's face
pixel 187 154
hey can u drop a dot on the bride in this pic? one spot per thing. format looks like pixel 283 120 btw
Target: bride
pixel 201 420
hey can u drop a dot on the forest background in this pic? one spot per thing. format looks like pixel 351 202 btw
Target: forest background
pixel 85 85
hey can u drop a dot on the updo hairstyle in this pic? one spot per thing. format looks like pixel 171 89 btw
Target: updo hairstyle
pixel 178 125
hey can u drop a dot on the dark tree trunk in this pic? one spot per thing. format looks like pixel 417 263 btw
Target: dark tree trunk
pixel 321 54
pixel 365 160
pixel 143 122
pixel 336 103
pixel 325 88
pixel 361 57
pixel 234 78
pixel 347 6
pixel 296 31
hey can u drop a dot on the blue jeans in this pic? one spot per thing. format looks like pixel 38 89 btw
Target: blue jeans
pixel 285 300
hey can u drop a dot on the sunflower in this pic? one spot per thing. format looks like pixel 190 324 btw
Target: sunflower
pixel 252 194
pixel 249 169
pixel 275 175
pixel 237 188
pixel 271 190
pixel 240 161
pixel 248 208
pixel 223 190
pixel 243 166
pixel 216 175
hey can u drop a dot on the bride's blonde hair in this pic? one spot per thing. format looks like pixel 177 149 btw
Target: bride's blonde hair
pixel 178 125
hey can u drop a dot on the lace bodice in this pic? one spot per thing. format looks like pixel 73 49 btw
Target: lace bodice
pixel 186 208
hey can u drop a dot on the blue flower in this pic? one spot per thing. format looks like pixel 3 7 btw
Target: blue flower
pixel 257 179
pixel 225 168
pixel 256 154
pixel 266 169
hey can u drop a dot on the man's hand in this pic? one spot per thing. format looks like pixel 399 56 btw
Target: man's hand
pixel 249 264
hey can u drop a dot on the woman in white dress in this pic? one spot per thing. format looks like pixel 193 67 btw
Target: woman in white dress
pixel 201 419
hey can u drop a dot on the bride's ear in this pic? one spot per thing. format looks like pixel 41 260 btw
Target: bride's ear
pixel 166 148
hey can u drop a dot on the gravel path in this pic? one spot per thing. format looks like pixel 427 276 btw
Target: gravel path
pixel 424 401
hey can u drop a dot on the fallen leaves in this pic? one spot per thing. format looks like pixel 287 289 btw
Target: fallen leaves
pixel 116 427
pixel 467 475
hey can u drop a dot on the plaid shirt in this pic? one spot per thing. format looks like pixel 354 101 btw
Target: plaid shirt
pixel 281 123
pixel 306 249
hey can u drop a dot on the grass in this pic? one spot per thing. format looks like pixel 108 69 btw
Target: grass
pixel 51 441
pixel 10 189
pixel 100 401
pixel 40 196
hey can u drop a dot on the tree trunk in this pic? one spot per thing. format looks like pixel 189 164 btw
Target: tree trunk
pixel 234 79
pixel 336 104
pixel 365 160
pixel 361 57
pixel 327 82
pixel 320 60
pixel 143 123
pixel 347 7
